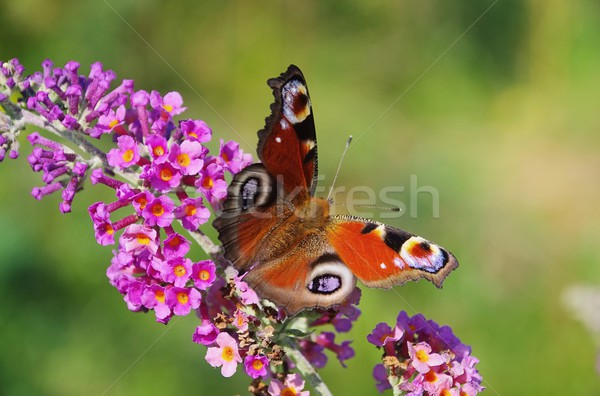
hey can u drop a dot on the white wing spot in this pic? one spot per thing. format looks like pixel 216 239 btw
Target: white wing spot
pixel 383 266
pixel 278 139
pixel 398 262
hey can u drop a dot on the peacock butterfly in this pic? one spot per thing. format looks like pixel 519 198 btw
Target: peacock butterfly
pixel 292 250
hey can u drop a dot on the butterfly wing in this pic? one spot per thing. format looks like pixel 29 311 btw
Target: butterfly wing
pixel 309 275
pixel 287 145
pixel 383 256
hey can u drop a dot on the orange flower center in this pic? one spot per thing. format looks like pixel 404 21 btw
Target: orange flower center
pixel 183 159
pixel 158 210
pixel 430 376
pixel 203 275
pixel 190 210
pixel 166 174
pixel 179 270
pixel 227 354
pixel 422 356
pixel 288 392
pixel 127 155
pixel 167 107
pixel 226 159
pixel 113 123
pixel 158 151
pixel 182 298
pixel 207 182
pixel 108 229
pixel 142 201
pixel 257 364
pixel 160 296
pixel 175 242
pixel 143 239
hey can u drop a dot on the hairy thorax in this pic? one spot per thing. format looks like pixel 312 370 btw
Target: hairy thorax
pixel 297 223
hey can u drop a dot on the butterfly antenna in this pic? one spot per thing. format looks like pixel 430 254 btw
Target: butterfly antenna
pixel 383 208
pixel 339 166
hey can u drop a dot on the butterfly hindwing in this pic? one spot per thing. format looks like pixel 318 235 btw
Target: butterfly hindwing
pixel 287 145
pixel 383 256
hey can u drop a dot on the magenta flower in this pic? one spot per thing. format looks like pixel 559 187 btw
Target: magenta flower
pixel 162 177
pixel 171 104
pixel 126 155
pixel 159 212
pixel 138 238
pixel 383 334
pixel 157 146
pixel 182 300
pixel 192 213
pixel 154 297
pixel 314 353
pixel 206 333
pixel 256 366
pixel 292 385
pixel 247 295
pixel 432 359
pixel 187 157
pixel 225 355
pixel 175 246
pixel 211 183
pixel 203 274
pixel 343 351
pixel 240 320
pixel 176 271
pixel 196 130
pixel 422 358
pixel 381 377
pixel 232 158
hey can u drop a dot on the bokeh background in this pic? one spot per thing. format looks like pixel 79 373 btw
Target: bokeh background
pixel 493 103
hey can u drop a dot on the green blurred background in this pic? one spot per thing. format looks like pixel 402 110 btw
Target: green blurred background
pixel 497 110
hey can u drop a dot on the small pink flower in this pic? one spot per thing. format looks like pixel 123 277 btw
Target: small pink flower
pixel 240 320
pixel 192 213
pixel 159 211
pixel 154 297
pixel 232 157
pixel 188 157
pixel 211 183
pixel 126 155
pixel 292 385
pixel 157 146
pixel 182 300
pixel 383 334
pixel 422 358
pixel 256 366
pixel 176 271
pixel 206 333
pixel 175 246
pixel 138 238
pixel 225 355
pixel 196 130
pixel 203 274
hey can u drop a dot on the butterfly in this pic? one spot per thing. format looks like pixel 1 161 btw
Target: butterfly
pixel 283 238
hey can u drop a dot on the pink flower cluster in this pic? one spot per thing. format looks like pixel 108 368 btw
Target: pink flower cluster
pixel 422 358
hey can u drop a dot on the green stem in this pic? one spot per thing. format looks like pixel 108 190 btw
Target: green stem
pixel 306 369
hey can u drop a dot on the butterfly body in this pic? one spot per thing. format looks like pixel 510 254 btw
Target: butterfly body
pixel 292 250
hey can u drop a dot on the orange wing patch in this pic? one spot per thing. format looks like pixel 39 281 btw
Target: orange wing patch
pixel 383 256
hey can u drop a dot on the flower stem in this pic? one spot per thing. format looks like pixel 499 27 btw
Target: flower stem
pixel 306 369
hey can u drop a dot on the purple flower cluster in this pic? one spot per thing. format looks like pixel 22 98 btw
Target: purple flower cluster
pixel 313 347
pixel 422 358
pixel 11 78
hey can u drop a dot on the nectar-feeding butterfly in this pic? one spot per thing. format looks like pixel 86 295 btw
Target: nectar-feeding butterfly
pixel 292 251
